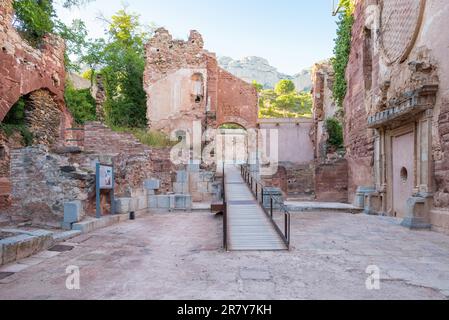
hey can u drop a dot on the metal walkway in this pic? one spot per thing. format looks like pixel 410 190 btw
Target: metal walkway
pixel 248 226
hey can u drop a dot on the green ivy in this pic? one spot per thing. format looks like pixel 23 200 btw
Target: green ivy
pixel 342 50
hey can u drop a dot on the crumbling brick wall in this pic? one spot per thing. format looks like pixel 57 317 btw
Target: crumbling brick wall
pixel 237 101
pixel 359 140
pixel 331 181
pixel 134 161
pixel 42 181
pixel 184 84
pixel 24 69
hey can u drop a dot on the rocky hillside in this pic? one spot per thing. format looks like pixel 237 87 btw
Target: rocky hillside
pixel 256 68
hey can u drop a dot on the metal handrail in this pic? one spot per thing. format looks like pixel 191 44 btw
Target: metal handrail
pixel 225 214
pixel 255 185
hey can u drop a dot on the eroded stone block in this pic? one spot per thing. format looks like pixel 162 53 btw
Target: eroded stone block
pixel 73 211
pixel 122 205
pixel 152 184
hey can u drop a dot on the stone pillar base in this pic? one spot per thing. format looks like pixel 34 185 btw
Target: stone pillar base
pixel 416 224
pixel 418 213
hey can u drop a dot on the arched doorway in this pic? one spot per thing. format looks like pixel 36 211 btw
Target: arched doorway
pixel 34 119
pixel 232 145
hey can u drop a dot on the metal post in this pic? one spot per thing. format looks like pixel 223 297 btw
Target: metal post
pixel 271 206
pixel 97 191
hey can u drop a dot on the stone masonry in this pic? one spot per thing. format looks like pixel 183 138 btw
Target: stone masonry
pixel 184 84
pixel 396 110
pixel 24 69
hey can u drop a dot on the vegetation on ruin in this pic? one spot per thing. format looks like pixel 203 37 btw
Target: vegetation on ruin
pixel 284 101
pixel 80 103
pixel 36 18
pixel 342 50
pixel 153 139
pixel 15 122
pixel 121 61
pixel 335 134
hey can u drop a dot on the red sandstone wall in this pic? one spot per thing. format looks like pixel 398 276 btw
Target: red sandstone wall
pixel 331 182
pixel 134 161
pixel 237 101
pixel 359 140
pixel 24 69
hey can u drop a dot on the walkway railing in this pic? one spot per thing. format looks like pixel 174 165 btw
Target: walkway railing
pixel 258 190
pixel 225 213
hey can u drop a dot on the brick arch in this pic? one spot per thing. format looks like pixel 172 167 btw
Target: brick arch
pixel 240 122
pixel 24 69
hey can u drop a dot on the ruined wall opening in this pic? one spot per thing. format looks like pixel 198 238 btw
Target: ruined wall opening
pixel 197 88
pixel 34 119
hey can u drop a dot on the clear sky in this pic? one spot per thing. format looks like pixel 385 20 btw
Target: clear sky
pixel 290 34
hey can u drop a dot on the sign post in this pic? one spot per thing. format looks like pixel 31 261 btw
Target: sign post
pixel 104 181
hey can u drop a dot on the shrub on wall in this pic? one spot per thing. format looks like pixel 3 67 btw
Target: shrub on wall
pixel 80 103
pixel 335 133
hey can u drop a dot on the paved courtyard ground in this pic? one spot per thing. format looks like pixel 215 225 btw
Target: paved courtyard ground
pixel 179 256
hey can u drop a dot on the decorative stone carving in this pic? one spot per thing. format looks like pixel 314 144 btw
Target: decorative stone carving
pixel 400 24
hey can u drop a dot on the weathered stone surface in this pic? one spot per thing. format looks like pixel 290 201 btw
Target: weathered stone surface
pixel 186 68
pixel 152 184
pixel 73 211
pixel 123 205
pixel 24 69
pixel 40 188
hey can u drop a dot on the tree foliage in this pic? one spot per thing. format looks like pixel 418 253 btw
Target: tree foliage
pixel 284 102
pixel 284 87
pixel 80 103
pixel 121 61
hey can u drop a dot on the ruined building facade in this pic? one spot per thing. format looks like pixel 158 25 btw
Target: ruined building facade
pixel 185 84
pixel 37 75
pixel 397 111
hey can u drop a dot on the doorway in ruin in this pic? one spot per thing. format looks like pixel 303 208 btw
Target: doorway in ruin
pixel 232 145
pixel 35 119
pixel 403 170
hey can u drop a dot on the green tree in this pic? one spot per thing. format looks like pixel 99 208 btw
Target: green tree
pixel 284 87
pixel 258 86
pixel 80 103
pixel 284 102
pixel 122 60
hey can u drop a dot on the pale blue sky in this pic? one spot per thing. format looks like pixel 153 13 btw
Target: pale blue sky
pixel 290 34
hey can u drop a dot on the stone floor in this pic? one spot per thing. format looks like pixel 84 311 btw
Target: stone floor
pixel 179 256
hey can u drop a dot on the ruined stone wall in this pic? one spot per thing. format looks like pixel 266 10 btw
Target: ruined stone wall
pixel 24 69
pixel 237 101
pixel 331 181
pixel 184 84
pixel 324 106
pixel 175 81
pixel 42 182
pixel 359 140
pixel 134 161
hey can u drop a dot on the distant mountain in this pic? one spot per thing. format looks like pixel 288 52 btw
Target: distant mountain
pixel 259 69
